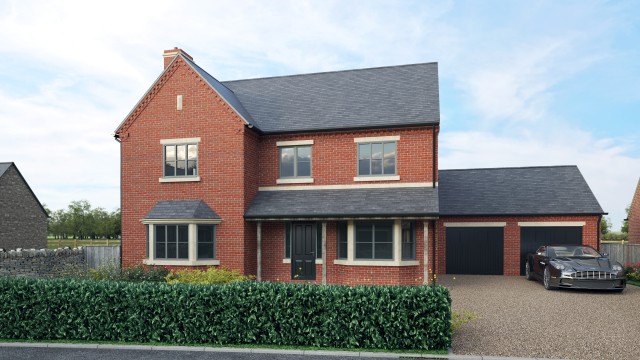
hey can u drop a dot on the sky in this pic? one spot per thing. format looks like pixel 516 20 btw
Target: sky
pixel 522 83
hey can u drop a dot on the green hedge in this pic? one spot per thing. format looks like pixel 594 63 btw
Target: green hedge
pixel 374 317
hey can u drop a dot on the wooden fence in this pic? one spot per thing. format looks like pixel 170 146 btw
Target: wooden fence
pixel 97 256
pixel 622 253
pixel 73 243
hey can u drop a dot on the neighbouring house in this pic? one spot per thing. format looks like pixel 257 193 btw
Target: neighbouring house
pixel 326 178
pixel 634 217
pixel 23 220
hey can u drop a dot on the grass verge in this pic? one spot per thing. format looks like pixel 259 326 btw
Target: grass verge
pixel 248 346
pixel 633 282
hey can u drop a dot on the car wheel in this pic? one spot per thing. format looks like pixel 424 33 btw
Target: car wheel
pixel 527 271
pixel 546 279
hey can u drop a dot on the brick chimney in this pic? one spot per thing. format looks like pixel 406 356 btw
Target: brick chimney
pixel 170 54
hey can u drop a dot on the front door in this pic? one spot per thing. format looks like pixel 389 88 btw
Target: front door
pixel 303 256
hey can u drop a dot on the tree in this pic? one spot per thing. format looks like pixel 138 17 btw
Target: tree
pixel 79 212
pixel 625 223
pixel 605 225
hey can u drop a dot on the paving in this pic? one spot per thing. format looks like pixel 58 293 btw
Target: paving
pixel 61 351
pixel 519 318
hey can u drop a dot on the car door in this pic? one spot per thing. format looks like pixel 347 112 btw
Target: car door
pixel 539 260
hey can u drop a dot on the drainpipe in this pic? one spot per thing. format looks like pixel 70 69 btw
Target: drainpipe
pixel 433 256
pixel 598 245
pixel 119 140
pixel 433 155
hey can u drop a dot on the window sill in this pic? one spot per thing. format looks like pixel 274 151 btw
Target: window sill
pixel 295 181
pixel 181 262
pixel 377 263
pixel 377 178
pixel 288 261
pixel 179 179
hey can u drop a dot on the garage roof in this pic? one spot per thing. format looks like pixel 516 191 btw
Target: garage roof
pixel 341 203
pixel 551 190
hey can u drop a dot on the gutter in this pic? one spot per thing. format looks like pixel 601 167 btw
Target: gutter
pixel 433 155
pixel 598 241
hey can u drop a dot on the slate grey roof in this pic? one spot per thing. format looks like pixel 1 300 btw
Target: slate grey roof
pixel 552 190
pixel 344 203
pixel 181 209
pixel 4 167
pixel 365 98
pixel 226 94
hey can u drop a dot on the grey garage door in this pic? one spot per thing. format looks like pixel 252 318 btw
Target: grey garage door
pixel 531 238
pixel 476 251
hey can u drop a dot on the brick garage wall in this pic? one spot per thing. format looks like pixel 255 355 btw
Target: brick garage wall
pixel 334 155
pixel 221 157
pixel 42 263
pixel 23 224
pixel 273 268
pixel 634 218
pixel 512 236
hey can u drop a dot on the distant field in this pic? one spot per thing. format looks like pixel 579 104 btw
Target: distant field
pixel 60 243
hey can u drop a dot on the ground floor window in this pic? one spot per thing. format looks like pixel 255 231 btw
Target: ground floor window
pixel 408 240
pixel 374 240
pixel 342 240
pixel 171 242
pixel 181 244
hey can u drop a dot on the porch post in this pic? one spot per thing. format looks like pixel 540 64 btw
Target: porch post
pixel 259 251
pixel 425 250
pixel 324 253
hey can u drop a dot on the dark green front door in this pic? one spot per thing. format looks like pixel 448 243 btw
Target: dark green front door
pixel 303 256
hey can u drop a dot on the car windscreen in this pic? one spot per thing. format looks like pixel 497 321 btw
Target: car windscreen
pixel 574 251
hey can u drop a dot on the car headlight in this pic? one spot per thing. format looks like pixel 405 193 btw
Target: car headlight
pixel 557 265
pixel 616 268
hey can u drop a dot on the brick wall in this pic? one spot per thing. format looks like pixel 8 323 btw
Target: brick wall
pixel 274 269
pixel 512 236
pixel 23 224
pixel 221 157
pixel 634 218
pixel 42 263
pixel 334 155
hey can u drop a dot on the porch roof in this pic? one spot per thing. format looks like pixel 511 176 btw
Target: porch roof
pixel 343 203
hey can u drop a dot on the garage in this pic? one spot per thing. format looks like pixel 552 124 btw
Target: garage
pixel 531 238
pixel 475 250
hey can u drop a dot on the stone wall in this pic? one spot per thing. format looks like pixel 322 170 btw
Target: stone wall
pixel 23 223
pixel 42 263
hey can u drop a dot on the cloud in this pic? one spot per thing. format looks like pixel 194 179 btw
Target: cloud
pixel 70 72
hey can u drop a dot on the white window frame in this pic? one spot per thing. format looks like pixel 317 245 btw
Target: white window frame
pixel 295 144
pixel 397 249
pixel 193 242
pixel 376 139
pixel 180 178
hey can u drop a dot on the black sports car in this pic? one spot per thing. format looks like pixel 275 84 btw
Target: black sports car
pixel 574 266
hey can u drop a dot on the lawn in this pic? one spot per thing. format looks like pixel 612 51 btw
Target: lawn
pixel 633 282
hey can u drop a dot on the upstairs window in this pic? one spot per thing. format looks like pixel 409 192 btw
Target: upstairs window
pixel 377 158
pixel 295 161
pixel 180 160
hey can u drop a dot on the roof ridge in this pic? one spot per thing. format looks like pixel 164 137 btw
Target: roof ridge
pixel 329 72
pixel 513 167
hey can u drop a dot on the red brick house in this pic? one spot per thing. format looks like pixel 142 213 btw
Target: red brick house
pixel 634 217
pixel 327 178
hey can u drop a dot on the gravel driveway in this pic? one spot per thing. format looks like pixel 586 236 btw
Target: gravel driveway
pixel 520 318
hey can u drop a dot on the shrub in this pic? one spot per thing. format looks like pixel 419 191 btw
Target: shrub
pixel 633 271
pixel 212 276
pixel 144 273
pixel 375 317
